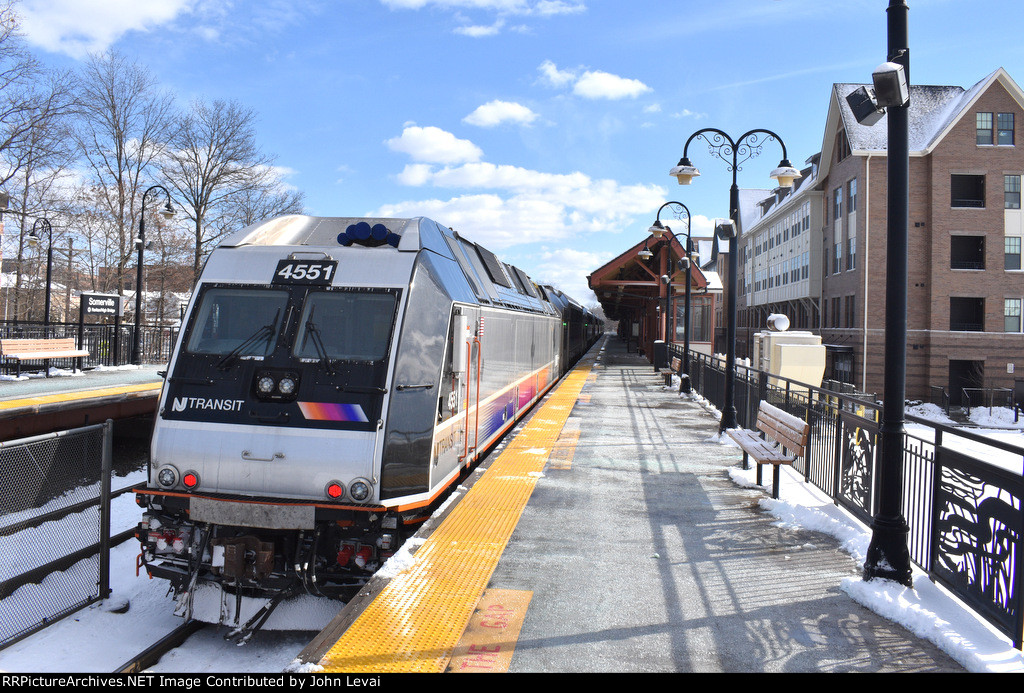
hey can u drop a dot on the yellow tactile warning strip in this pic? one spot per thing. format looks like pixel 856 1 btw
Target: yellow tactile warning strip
pixel 415 623
pixel 490 638
pixel 564 450
pixel 80 395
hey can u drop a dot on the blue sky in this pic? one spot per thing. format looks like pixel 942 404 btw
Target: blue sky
pixel 542 129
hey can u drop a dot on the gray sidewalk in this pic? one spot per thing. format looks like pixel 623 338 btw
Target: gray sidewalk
pixel 643 556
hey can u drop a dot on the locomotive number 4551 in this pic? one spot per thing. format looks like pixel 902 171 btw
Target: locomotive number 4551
pixel 305 272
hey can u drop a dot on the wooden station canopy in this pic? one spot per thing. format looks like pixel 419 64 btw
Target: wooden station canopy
pixel 638 291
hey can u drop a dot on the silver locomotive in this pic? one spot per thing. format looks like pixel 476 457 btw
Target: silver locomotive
pixel 333 380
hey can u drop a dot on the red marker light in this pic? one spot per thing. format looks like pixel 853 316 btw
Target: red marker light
pixel 335 491
pixel 190 480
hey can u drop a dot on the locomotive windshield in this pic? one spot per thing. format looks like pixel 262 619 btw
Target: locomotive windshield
pixel 240 322
pixel 344 325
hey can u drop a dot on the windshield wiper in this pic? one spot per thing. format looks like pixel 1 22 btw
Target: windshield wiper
pixel 262 334
pixel 312 331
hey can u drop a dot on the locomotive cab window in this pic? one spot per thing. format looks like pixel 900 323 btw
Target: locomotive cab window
pixel 243 321
pixel 346 326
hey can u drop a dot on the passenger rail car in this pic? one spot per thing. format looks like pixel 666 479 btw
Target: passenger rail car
pixel 333 379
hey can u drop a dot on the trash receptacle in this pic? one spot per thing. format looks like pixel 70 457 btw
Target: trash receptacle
pixel 660 355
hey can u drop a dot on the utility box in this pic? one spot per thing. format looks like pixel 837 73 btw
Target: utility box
pixel 798 356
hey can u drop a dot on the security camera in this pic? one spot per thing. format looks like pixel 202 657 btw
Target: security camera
pixel 725 229
pixel 891 88
pixel 864 106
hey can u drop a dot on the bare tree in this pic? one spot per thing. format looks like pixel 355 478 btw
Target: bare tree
pixel 270 198
pixel 213 157
pixel 125 123
pixel 36 164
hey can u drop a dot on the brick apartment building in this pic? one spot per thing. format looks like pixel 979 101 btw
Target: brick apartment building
pixel 966 282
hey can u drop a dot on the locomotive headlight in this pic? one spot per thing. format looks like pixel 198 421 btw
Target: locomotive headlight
pixel 286 386
pixel 167 477
pixel 265 385
pixel 359 489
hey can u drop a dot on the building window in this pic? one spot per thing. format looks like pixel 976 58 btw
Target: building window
pixel 837 258
pixel 967 252
pixel 1011 253
pixel 836 308
pixel 984 128
pixel 1011 315
pixel 1011 192
pixel 967 190
pixel 851 196
pixel 842 146
pixel 1004 129
pixel 851 311
pixel 837 204
pixel 851 253
pixel 966 314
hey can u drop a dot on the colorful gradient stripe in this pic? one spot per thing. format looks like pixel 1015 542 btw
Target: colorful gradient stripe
pixel 332 411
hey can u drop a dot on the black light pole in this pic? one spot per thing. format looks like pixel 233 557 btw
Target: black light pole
pixel 888 556
pixel 45 224
pixel 679 208
pixel 167 212
pixel 734 153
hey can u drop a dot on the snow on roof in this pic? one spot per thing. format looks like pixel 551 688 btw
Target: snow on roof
pixel 932 110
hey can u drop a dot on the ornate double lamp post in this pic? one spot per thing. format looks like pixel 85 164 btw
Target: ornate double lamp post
pixel 167 212
pixel 34 236
pixel 734 153
pixel 657 230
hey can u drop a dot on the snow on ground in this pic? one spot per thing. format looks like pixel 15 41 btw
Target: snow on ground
pixel 97 639
pixel 926 609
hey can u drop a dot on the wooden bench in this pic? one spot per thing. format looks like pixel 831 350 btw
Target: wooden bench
pixel 673 369
pixel 780 439
pixel 18 350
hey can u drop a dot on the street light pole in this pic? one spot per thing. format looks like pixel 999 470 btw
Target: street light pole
pixel 733 153
pixel 888 556
pixel 167 212
pixel 45 224
pixel 685 382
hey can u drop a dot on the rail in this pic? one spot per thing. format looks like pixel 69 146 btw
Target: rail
pixel 963 495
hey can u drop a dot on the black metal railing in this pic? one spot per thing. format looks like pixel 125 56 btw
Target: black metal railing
pixel 963 495
pixel 108 345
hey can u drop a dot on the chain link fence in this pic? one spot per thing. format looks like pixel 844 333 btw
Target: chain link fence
pixel 54 527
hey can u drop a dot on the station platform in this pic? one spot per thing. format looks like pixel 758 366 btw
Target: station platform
pixel 606 535
pixel 34 405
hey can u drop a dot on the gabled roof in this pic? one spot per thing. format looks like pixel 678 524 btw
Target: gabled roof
pixel 934 110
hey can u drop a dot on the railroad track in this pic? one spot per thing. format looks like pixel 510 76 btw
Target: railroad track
pixel 152 654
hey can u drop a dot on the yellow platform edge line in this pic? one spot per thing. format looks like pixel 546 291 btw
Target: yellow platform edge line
pixel 415 623
pixel 80 395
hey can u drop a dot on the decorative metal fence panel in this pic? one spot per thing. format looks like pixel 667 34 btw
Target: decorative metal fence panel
pixel 964 514
pixel 54 527
pixel 977 532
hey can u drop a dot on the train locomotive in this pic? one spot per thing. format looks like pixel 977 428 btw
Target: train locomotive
pixel 333 380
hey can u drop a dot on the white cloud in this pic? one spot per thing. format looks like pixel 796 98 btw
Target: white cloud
pixel 592 84
pixel 603 85
pixel 548 8
pixel 522 206
pixel 434 145
pixel 497 112
pixel 551 75
pixel 79 27
pixel 480 31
